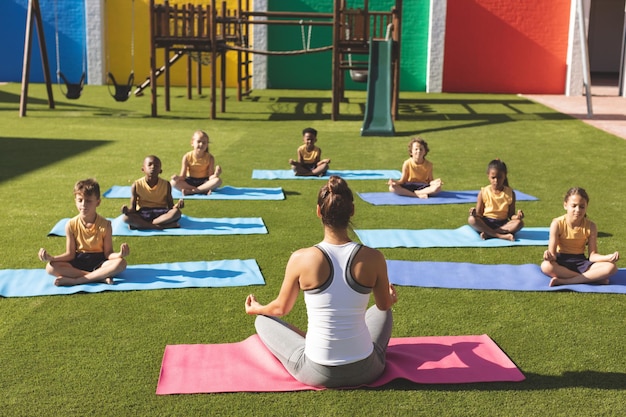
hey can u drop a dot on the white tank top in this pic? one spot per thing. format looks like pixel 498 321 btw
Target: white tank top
pixel 337 333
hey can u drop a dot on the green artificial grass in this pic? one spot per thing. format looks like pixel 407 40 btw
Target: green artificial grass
pixel 100 354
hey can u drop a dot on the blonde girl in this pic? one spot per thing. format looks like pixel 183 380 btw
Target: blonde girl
pixel 198 173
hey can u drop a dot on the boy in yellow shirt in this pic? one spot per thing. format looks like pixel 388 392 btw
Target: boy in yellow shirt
pixel 310 162
pixel 89 255
pixel 151 202
pixel 417 173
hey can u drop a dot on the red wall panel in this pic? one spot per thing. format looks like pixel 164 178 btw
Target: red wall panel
pixel 506 46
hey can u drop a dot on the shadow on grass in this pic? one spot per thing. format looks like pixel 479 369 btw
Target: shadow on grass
pixel 20 156
pixel 533 382
pixel 35 104
pixel 312 108
pixel 6 97
pixel 471 112
pixel 448 111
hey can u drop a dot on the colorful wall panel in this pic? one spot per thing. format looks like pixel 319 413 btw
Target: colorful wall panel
pixel 506 46
pixel 314 71
pixel 119 22
pixel 65 18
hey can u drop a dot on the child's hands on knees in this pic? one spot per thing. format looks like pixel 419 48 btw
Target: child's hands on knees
pixel 614 257
pixel 44 256
pixel 124 250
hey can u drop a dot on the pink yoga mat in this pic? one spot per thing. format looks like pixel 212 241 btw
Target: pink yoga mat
pixel 248 366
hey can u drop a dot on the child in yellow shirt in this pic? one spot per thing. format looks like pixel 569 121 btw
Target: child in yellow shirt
pixel 565 261
pixel 417 173
pixel 151 203
pixel 89 255
pixel 494 214
pixel 310 162
pixel 198 173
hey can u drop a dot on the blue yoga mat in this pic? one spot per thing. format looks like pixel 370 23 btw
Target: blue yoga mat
pixel 527 277
pixel 222 193
pixel 188 226
pixel 463 237
pixel 355 174
pixel 444 197
pixel 224 273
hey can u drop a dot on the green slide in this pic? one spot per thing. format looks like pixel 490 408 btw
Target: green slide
pixel 378 121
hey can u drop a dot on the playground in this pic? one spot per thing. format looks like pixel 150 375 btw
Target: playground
pixel 206 33
pixel 101 352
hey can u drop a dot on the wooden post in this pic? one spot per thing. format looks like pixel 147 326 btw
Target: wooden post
pixel 213 41
pixel 189 75
pixel 34 11
pixel 153 69
pixel 397 34
pixel 336 60
pixel 166 55
pixel 223 62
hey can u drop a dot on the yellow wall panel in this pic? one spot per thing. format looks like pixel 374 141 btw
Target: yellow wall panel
pixel 127 26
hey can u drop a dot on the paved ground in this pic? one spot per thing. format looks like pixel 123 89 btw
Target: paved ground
pixel 608 109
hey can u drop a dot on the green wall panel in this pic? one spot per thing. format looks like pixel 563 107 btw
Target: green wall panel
pixel 314 71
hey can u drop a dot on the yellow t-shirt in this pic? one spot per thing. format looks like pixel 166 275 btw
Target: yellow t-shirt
pixel 202 167
pixel 151 197
pixel 417 172
pixel 496 204
pixel 312 157
pixel 90 240
pixel 572 240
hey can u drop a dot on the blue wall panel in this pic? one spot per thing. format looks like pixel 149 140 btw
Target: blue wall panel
pixel 69 19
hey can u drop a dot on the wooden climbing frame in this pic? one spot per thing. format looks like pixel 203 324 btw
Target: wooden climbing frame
pixel 203 29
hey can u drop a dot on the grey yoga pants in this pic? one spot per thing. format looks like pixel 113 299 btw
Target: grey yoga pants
pixel 288 347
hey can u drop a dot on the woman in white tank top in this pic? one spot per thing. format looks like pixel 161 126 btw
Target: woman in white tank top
pixel 345 341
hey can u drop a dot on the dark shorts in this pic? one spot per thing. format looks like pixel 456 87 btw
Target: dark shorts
pixel 195 182
pixel 149 214
pixel 576 263
pixel 414 186
pixel 309 167
pixel 495 223
pixel 88 261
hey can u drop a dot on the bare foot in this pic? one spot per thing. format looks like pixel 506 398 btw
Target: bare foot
pixel 108 280
pixel 173 225
pixel 292 162
pixel 603 281
pixel 483 236
pixel 422 196
pixel 125 209
pixel 64 282
pixel 554 282
pixel 509 237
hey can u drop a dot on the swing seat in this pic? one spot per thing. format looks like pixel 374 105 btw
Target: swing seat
pixel 122 92
pixel 358 76
pixel 73 91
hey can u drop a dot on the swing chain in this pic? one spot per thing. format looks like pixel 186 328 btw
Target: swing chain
pixel 306 45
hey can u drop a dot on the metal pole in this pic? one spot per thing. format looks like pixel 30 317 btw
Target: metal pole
pixel 584 56
pixel 622 65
